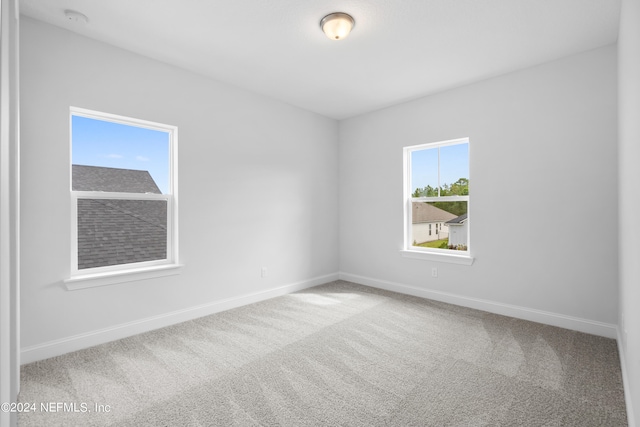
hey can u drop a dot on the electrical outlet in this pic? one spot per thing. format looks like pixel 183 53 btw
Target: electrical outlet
pixel 264 272
pixel 434 272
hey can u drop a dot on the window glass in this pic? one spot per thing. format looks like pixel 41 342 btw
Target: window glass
pixel 424 173
pixel 454 170
pixel 122 189
pixel 114 232
pixel 438 196
pixel 106 146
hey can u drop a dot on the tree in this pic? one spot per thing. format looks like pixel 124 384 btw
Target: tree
pixel 456 208
pixel 458 188
pixel 427 191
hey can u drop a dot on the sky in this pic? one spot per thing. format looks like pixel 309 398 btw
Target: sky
pixel 454 164
pixel 102 143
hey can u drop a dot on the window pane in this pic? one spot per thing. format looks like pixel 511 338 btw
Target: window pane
pixel 424 173
pixel 114 232
pixel 108 156
pixel 454 170
pixel 450 224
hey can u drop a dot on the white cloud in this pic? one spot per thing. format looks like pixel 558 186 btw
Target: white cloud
pixel 142 158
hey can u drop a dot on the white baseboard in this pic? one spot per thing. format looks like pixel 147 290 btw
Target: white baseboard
pixel 101 336
pixel 625 380
pixel 547 318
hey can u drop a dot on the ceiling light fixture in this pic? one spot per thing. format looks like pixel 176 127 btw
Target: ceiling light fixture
pixel 337 25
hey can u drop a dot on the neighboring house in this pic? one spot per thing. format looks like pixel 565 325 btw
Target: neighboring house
pixel 458 230
pixel 118 231
pixel 98 178
pixel 429 223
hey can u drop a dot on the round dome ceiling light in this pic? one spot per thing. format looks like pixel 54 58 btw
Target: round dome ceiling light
pixel 337 25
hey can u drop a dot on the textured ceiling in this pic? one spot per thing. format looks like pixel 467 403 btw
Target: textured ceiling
pixel 399 49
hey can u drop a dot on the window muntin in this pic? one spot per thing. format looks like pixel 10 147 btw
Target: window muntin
pixel 123 193
pixel 437 193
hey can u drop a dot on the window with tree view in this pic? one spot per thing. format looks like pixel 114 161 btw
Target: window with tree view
pixel 122 191
pixel 437 197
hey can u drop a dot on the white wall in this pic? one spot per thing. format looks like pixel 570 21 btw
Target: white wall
pixel 629 146
pixel 543 160
pixel 257 187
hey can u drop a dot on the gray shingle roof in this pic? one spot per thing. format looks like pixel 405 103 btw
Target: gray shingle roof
pixel 114 232
pixel 424 212
pixel 97 178
pixel 458 220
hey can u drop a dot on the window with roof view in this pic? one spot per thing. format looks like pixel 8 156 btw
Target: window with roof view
pixel 123 192
pixel 437 193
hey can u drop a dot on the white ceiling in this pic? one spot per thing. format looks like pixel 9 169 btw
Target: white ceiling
pixel 399 49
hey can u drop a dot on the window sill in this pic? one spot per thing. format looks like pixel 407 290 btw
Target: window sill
pixel 431 256
pixel 84 281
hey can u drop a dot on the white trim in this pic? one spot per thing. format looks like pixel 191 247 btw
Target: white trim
pixel 437 144
pixel 451 257
pixel 118 196
pixel 441 199
pixel 101 336
pixel 554 319
pixel 84 281
pixel 625 379
pixel 416 252
pixel 123 120
pixel 107 273
pixel 9 208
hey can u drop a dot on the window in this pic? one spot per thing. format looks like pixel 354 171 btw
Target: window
pixel 437 193
pixel 123 194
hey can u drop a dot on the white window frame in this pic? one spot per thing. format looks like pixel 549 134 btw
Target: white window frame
pixel 99 276
pixel 432 254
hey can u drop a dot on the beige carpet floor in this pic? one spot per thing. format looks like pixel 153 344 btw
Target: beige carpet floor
pixel 339 354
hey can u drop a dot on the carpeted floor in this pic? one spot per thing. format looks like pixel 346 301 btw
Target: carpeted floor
pixel 336 355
